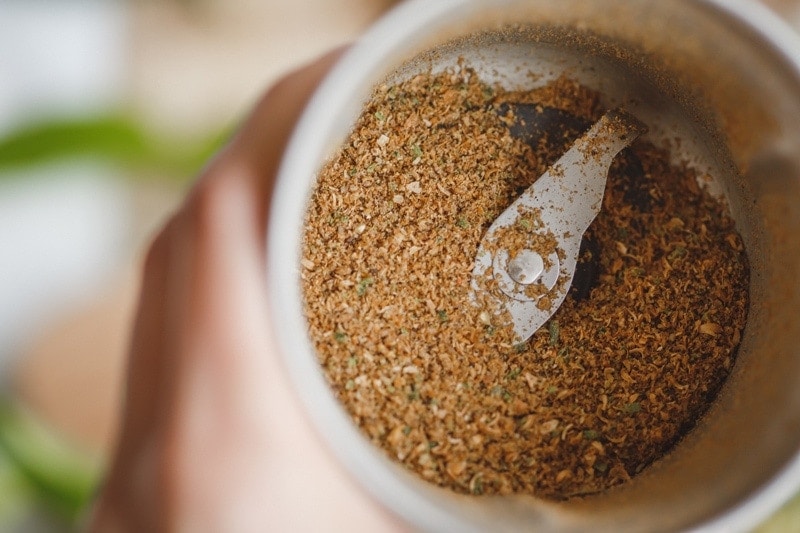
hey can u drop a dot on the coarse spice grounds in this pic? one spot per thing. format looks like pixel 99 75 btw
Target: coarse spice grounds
pixel 619 374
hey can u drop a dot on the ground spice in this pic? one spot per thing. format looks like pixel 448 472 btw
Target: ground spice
pixel 620 373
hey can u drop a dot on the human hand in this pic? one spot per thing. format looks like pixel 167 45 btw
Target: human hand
pixel 213 437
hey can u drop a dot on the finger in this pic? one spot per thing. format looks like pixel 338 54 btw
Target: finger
pixel 131 475
pixel 219 259
pixel 257 149
pixel 146 356
pixel 216 300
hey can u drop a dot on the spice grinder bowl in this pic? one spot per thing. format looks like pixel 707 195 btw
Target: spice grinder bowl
pixel 724 78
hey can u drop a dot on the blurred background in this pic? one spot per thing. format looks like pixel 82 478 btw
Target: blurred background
pixel 108 109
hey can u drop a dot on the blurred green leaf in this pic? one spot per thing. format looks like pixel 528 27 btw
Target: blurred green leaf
pixel 16 497
pixel 785 520
pixel 117 138
pixel 56 474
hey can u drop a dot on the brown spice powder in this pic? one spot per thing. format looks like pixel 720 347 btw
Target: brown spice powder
pixel 606 387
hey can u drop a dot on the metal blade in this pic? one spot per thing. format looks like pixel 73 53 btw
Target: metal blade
pixel 527 268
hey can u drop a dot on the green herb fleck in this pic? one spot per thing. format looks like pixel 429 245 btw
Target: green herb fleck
pixel 363 285
pixel 632 408
pixel 476 485
pixel 352 361
pixel 678 252
pixel 340 336
pixel 637 272
pixel 416 151
pixel 462 223
pixel 350 385
pixel 380 116
pixel 554 332
pixel 337 217
pixel 442 314
pixel 591 434
pixel 406 430
pixel 498 391
pixel 413 395
pixel 513 374
pixel 525 223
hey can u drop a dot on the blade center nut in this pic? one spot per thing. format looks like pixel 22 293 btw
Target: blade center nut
pixel 526 267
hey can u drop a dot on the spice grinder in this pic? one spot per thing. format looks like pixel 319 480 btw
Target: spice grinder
pixel 719 82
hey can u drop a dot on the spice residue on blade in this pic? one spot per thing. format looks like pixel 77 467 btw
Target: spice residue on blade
pixel 607 386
